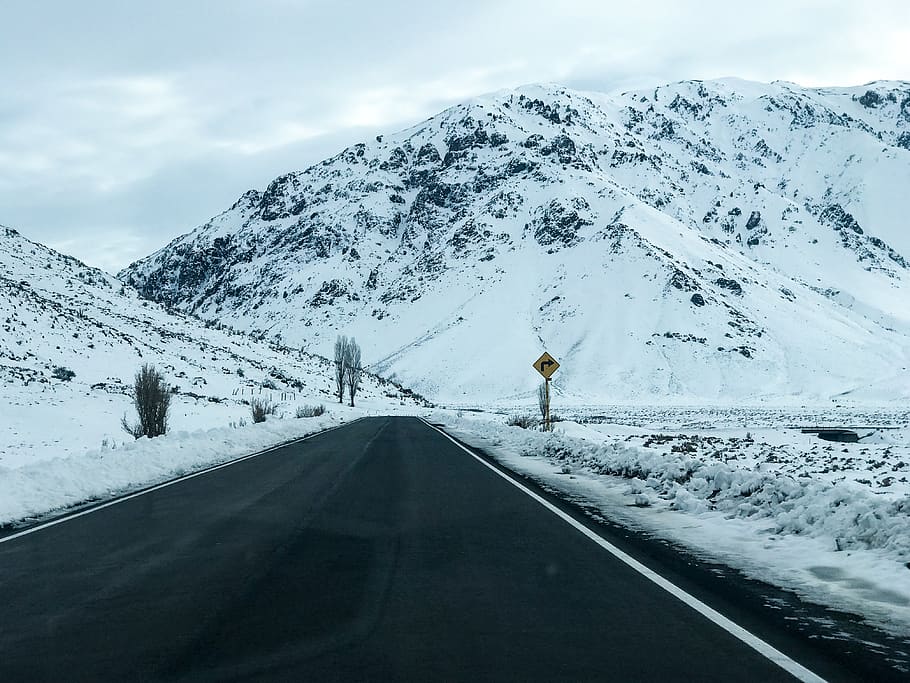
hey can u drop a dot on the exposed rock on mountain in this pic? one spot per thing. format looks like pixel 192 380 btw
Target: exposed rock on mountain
pixel 767 220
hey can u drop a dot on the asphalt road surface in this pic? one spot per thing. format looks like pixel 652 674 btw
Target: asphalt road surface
pixel 380 551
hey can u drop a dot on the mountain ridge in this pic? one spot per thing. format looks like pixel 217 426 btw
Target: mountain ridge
pixel 740 205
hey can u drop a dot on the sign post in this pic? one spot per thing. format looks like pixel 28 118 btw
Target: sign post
pixel 546 420
pixel 546 365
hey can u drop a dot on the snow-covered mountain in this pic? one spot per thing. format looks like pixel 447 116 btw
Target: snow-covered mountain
pixel 701 241
pixel 73 338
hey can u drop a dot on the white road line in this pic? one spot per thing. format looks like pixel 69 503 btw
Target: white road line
pixel 783 661
pixel 170 482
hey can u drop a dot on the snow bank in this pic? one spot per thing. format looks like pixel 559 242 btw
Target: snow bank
pixel 849 513
pixel 49 485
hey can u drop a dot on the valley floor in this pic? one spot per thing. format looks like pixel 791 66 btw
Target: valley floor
pixel 738 486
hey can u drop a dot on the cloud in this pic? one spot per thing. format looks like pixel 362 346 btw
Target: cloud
pixel 97 135
pixel 124 125
pixel 115 247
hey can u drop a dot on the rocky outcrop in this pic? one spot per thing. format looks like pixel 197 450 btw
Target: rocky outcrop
pixel 696 203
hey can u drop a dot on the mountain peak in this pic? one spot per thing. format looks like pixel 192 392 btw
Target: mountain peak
pixel 683 227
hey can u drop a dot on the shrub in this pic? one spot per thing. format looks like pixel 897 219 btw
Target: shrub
pixel 523 421
pixel 63 374
pixel 309 411
pixel 261 407
pixel 152 400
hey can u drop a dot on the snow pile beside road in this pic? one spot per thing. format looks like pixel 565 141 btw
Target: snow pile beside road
pixel 36 489
pixel 846 512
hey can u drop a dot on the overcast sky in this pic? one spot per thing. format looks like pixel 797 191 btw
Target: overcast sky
pixel 125 124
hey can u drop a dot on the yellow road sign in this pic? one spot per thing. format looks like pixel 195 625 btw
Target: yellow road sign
pixel 546 365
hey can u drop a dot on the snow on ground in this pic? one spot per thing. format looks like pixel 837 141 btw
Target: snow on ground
pixel 829 520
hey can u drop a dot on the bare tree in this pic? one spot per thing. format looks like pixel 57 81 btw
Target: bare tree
pixel 353 370
pixel 341 356
pixel 152 400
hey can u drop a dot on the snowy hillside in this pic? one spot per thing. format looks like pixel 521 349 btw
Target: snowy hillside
pixel 699 242
pixel 59 315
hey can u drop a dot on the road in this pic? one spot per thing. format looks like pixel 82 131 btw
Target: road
pixel 379 551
